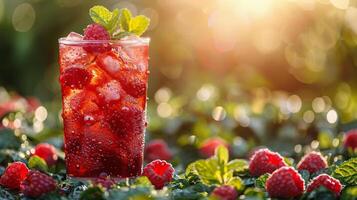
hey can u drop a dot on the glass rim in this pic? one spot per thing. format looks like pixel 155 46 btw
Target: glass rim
pixel 130 41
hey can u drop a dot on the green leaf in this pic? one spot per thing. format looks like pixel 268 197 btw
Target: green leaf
pixel 237 183
pixel 208 171
pixel 254 194
pixel 320 193
pixel 36 162
pixel 125 18
pixel 347 172
pixel 238 165
pixel 8 140
pixel 143 181
pixel 114 23
pixel 222 154
pixel 100 15
pixel 349 193
pixel 93 193
pixel 139 24
pixel 260 181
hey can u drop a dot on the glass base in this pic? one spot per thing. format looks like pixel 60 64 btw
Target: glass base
pixel 84 179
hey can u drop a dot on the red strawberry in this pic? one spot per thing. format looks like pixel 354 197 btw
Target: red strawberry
pixel 47 152
pixel 350 140
pixel 265 161
pixel 326 181
pixel 285 182
pixel 14 174
pixel 75 77
pixel 159 172
pixel 209 146
pixel 312 162
pixel 37 184
pixel 96 32
pixel 225 192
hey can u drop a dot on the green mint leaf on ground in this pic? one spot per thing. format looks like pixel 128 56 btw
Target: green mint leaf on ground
pixel 36 162
pixel 125 18
pixel 347 172
pixel 139 24
pixel 260 181
pixel 100 15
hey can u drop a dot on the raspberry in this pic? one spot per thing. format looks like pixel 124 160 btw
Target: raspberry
pixel 312 162
pixel 127 120
pixel 265 161
pixel 225 192
pixel 37 184
pixel 96 32
pixel 75 77
pixel 159 172
pixel 209 146
pixel 47 152
pixel 133 82
pixel 157 149
pixel 350 140
pixel 285 182
pixel 14 174
pixel 326 181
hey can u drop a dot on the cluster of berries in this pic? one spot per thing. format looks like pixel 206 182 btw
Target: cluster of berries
pixel 285 181
pixel 31 183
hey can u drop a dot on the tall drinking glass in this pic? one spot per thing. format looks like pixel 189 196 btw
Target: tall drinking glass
pixel 103 86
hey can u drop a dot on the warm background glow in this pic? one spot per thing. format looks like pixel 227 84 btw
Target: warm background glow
pixel 292 53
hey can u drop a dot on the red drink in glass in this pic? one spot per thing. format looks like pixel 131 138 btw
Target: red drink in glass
pixel 103 87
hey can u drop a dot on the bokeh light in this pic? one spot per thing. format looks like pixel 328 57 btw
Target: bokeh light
pixel 23 17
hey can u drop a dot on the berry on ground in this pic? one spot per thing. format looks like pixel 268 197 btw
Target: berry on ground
pixel 96 32
pixel 14 174
pixel 37 184
pixel 350 140
pixel 326 181
pixel 75 77
pixel 46 152
pixel 285 182
pixel 159 172
pixel 157 149
pixel 312 162
pixel 265 161
pixel 207 149
pixel 225 192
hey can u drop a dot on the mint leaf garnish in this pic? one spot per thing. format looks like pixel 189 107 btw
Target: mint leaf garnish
pixel 113 24
pixel 119 23
pixel 100 15
pixel 139 24
pixel 125 18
